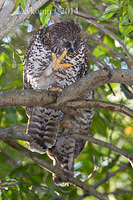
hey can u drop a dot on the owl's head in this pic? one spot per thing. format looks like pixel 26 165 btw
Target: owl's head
pixel 64 36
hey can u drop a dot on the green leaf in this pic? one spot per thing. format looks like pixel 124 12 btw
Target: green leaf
pixel 110 11
pixel 16 5
pixel 109 41
pixel 45 13
pixel 100 50
pixel 108 14
pixel 125 29
pixel 17 58
pixel 0 69
pixel 112 7
pixel 112 1
pixel 92 29
pixel 63 3
pixel 11 114
pixel 23 3
pixel 130 11
pixel 124 10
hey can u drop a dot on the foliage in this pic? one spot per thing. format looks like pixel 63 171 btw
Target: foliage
pixel 23 179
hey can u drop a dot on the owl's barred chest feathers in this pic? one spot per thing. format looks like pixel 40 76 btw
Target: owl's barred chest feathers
pixel 40 62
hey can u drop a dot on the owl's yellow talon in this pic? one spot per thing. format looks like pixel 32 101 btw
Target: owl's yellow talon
pixel 56 62
pixel 65 125
pixel 61 57
pixel 55 89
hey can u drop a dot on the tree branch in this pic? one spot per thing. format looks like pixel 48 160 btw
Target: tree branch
pixel 10 133
pixel 77 92
pixel 120 191
pixel 103 180
pixel 6 11
pixel 25 98
pixel 106 145
pixel 40 161
pixel 116 54
pixel 9 157
pixel 121 168
pixel 14 136
pixel 100 104
pixel 101 26
pixel 41 98
pixel 1 3
pixel 94 80
pixel 17 19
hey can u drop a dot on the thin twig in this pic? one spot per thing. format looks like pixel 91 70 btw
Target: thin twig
pixel 9 157
pixel 14 136
pixel 17 19
pixel 120 191
pixel 101 26
pixel 91 17
pixel 1 3
pixel 106 145
pixel 18 136
pixel 100 104
pixel 109 175
pixel 116 54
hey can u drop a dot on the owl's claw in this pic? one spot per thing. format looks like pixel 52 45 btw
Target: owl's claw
pixel 53 89
pixel 56 62
pixel 65 125
pixel 56 92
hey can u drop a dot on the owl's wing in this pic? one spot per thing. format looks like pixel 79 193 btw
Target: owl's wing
pixel 84 66
pixel 42 122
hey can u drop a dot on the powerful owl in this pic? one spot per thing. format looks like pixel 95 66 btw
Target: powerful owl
pixel 57 57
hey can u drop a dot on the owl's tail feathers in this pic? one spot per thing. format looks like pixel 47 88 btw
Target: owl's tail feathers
pixel 63 158
pixel 68 174
pixel 42 126
pixel 59 181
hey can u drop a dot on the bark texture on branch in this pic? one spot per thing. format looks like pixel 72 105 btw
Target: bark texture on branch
pixel 72 97
pixel 17 19
pixel 15 133
pixel 95 79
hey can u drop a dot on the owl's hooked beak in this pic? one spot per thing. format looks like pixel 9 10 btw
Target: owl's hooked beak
pixel 71 49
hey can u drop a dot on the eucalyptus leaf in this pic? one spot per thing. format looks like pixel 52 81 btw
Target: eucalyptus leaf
pixel 112 1
pixel 23 3
pixel 112 7
pixel 1 69
pixel 45 13
pixel 130 11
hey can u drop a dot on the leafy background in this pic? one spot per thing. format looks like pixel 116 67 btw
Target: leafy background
pixel 20 178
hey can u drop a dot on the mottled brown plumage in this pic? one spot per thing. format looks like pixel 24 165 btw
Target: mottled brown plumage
pixel 39 73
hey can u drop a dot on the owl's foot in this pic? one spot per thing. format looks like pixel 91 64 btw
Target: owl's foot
pixel 56 62
pixel 65 125
pixel 55 89
pixel 55 92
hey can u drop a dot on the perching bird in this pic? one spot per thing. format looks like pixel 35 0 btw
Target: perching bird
pixel 56 57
